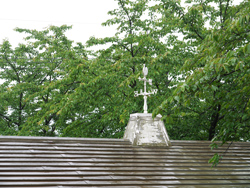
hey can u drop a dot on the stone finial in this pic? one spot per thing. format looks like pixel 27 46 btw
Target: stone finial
pixel 142 129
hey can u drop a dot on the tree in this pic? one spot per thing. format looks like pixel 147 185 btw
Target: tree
pixel 106 94
pixel 26 71
pixel 13 107
pixel 205 98
pixel 214 97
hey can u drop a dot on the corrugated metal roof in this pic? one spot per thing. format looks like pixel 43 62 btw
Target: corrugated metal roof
pixel 81 162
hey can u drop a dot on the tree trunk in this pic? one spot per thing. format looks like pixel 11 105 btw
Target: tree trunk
pixel 214 121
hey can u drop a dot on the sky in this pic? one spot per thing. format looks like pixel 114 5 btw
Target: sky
pixel 85 16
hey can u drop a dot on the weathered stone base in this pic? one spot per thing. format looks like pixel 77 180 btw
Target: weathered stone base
pixel 143 130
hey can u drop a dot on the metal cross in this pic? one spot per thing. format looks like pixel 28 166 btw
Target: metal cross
pixel 145 94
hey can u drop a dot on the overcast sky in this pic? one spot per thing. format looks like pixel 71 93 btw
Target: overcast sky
pixel 86 17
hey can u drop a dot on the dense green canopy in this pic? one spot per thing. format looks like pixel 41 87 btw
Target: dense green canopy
pixel 197 55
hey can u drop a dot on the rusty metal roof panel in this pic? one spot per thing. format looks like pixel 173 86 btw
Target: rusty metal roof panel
pixel 83 162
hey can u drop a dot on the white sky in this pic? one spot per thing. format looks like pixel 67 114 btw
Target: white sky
pixel 86 17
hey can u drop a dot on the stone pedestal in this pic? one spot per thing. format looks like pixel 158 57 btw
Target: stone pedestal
pixel 143 130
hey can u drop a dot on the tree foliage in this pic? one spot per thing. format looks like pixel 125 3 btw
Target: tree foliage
pixel 27 71
pixel 214 98
pixel 107 95
pixel 197 55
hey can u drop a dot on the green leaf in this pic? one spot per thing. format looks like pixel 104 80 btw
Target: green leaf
pixel 177 98
pixel 214 88
pixel 245 116
pixel 215 160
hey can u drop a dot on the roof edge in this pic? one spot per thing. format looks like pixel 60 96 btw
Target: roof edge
pixel 61 138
